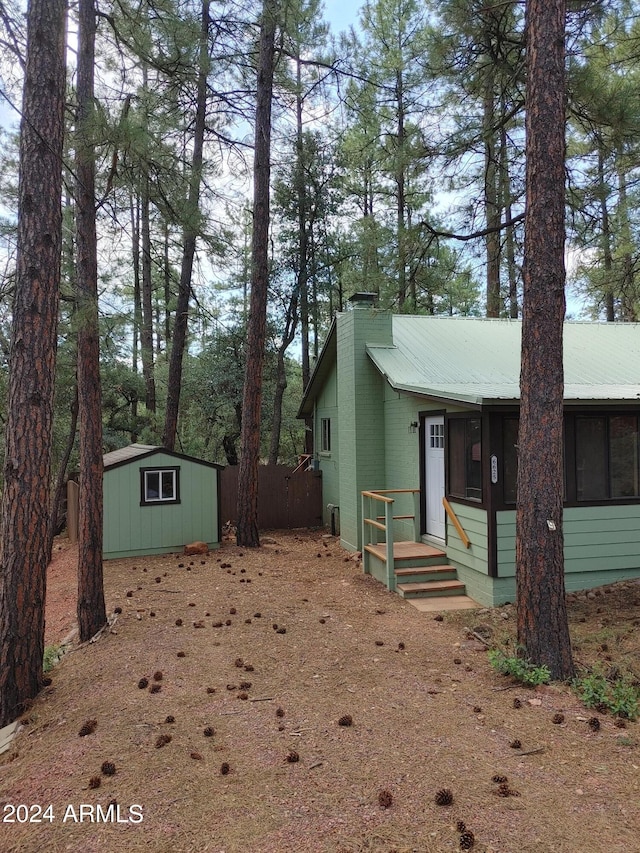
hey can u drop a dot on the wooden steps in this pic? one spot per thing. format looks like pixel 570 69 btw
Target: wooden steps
pixel 430 588
pixel 420 570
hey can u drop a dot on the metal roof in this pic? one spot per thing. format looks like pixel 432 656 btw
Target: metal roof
pixel 123 454
pixel 477 361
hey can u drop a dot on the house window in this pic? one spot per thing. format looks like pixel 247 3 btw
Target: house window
pixel 159 485
pixel 606 457
pixel 465 458
pixel 325 428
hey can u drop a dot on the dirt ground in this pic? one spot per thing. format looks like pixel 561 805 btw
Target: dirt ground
pixel 218 696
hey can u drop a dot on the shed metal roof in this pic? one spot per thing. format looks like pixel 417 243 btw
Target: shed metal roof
pixel 123 454
pixel 477 361
pixel 135 451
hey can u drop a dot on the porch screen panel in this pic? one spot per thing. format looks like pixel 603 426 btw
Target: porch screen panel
pixel 510 458
pixel 465 458
pixel 474 460
pixel 591 459
pixel 457 458
pixel 623 446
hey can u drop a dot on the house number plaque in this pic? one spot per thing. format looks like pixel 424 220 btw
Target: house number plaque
pixel 494 469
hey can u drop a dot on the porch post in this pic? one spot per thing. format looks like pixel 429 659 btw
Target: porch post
pixel 365 532
pixel 388 522
pixel 416 515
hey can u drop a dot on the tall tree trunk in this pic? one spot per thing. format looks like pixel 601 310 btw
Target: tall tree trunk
pixel 543 631
pixel 91 608
pixel 505 184
pixel 24 526
pixel 401 203
pixel 247 528
pixel 303 243
pixel 492 240
pixel 146 329
pixel 134 206
pixel 628 296
pixel 607 258
pixel 58 490
pixel 190 235
pixel 291 324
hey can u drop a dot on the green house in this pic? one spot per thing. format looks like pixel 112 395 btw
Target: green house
pixel 421 414
pixel 156 501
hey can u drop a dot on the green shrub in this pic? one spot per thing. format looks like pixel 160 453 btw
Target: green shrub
pixel 52 655
pixel 619 695
pixel 519 668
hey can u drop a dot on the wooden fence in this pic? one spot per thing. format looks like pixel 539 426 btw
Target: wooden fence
pixel 285 499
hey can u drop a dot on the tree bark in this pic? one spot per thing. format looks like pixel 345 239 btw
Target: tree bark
pixel 146 295
pixel 492 239
pixel 190 235
pixel 289 333
pixel 543 633
pixel 24 526
pixel 60 482
pixel 607 258
pixel 247 528
pixel 91 607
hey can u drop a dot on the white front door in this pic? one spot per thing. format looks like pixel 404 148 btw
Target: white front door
pixel 434 476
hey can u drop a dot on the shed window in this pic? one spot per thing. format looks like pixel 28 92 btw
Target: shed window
pixel 465 458
pixel 325 426
pixel 160 485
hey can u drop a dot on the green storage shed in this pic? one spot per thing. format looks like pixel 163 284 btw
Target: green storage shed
pixel 157 501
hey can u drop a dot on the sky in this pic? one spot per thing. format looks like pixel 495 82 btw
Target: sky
pixel 341 14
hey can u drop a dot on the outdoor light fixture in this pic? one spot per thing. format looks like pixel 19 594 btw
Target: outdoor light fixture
pixel 413 426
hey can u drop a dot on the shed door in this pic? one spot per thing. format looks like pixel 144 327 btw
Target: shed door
pixel 434 476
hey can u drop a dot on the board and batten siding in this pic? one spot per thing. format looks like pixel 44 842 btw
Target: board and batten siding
pixel 131 529
pixel 601 545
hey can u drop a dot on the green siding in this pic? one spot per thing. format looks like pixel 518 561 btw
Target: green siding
pixel 327 407
pixel 360 396
pixel 131 529
pixel 601 545
pixel 374 448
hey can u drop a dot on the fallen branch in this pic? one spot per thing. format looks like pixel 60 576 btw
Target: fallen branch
pixel 531 751
pixel 478 637
pixel 263 699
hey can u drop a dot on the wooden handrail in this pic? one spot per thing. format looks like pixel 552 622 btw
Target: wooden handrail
pixel 391 492
pixel 456 523
pixel 376 496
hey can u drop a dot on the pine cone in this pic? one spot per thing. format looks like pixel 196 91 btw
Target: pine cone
pixel 108 768
pixel 385 799
pixel 444 797
pixel 345 720
pixel 88 728
pixel 467 840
